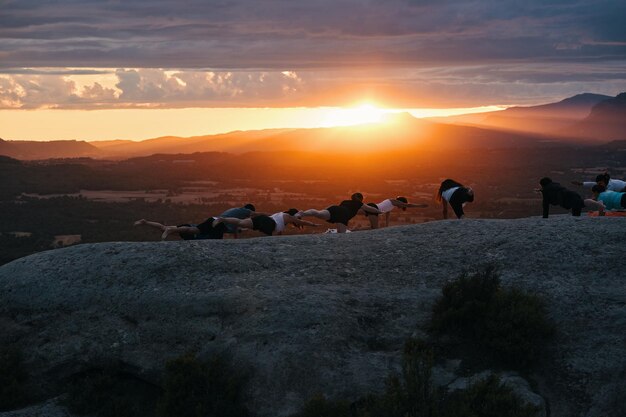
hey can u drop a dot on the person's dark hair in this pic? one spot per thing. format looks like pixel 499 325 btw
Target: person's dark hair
pixel 250 207
pixel 598 188
pixel 603 177
pixel 545 181
pixel 291 211
pixel 357 197
pixel 403 199
pixel 446 185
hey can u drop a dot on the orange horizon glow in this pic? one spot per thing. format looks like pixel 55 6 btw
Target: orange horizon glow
pixel 141 124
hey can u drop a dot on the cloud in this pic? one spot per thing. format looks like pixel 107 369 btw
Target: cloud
pixel 151 88
pixel 278 34
pixel 457 86
pixel 235 52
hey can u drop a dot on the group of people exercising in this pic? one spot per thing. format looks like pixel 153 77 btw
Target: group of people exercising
pixel 609 194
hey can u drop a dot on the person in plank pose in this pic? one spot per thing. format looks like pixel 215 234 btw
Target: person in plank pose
pixel 386 206
pixel 274 224
pixel 606 181
pixel 341 213
pixel 605 199
pixel 209 229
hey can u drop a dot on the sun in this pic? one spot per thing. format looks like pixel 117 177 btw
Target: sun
pixel 363 113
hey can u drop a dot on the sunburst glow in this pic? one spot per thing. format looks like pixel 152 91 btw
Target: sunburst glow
pixel 362 114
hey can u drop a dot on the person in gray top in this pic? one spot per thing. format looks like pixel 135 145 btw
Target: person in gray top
pixel 244 212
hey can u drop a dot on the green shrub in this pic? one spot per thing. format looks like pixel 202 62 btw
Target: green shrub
pixel 110 392
pixel 488 398
pixel 13 378
pixel 465 302
pixel 193 388
pixel 508 325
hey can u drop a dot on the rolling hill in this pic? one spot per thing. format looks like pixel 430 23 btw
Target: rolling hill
pixel 32 150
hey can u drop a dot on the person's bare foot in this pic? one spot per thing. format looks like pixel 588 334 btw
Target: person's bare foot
pixel 139 222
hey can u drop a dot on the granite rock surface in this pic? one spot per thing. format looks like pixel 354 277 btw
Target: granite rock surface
pixel 319 313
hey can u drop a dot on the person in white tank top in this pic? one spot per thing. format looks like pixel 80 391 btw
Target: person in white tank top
pixel 274 224
pixel 456 195
pixel 386 206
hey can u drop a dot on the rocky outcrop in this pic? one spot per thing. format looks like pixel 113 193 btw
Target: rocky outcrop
pixel 319 313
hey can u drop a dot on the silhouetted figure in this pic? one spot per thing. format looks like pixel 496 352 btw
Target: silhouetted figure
pixel 557 195
pixel 455 194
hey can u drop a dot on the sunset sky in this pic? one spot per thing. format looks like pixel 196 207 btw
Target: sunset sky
pixel 149 68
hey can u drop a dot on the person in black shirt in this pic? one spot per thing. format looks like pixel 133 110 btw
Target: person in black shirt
pixel 342 213
pixel 557 195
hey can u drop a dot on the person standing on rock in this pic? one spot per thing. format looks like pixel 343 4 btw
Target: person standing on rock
pixel 209 229
pixel 342 213
pixel 455 194
pixel 386 206
pixel 276 223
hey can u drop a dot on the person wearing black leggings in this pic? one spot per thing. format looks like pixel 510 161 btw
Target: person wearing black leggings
pixel 456 195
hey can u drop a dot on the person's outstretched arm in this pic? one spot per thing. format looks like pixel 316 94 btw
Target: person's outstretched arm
pixel 444 203
pixel 402 204
pixel 299 222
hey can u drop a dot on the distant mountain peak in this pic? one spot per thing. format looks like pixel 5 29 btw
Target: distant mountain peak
pixel 399 118
pixel 585 98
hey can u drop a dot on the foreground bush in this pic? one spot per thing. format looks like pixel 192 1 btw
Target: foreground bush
pixel 107 391
pixel 13 379
pixel 414 395
pixel 488 398
pixel 411 394
pixel 507 324
pixel 193 388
